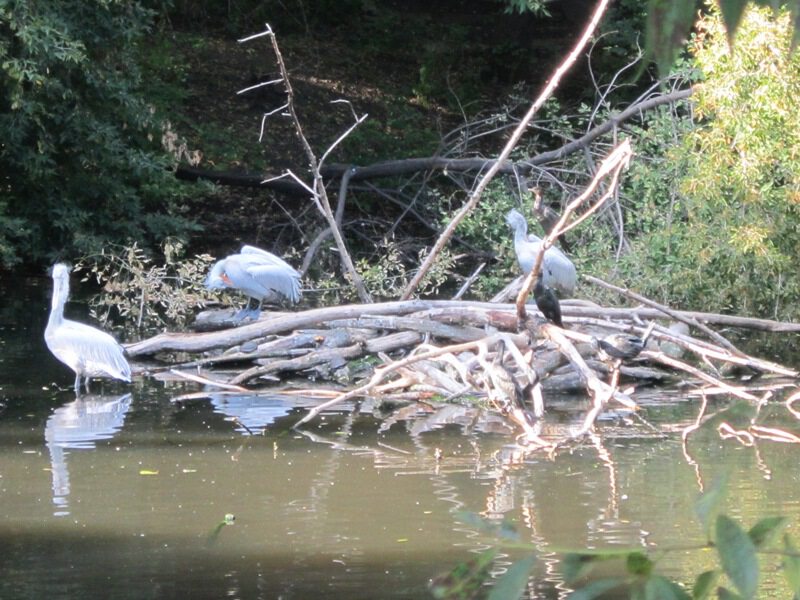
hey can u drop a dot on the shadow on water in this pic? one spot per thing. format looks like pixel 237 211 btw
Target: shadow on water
pixel 127 494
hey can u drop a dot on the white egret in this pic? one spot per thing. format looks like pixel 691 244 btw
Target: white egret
pixel 558 270
pixel 84 349
pixel 260 275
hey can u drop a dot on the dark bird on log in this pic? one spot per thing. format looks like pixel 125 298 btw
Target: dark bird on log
pixel 622 346
pixel 547 302
pixel 260 275
pixel 559 272
pixel 83 348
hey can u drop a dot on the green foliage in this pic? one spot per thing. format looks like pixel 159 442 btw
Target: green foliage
pixel 669 23
pixel 537 7
pixel 712 212
pixel 486 230
pixel 737 553
pixel 388 276
pixel 151 296
pixel 81 157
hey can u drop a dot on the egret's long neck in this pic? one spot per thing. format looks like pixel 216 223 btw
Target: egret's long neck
pixel 521 232
pixel 60 293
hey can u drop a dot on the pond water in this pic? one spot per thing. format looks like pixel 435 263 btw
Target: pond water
pixel 125 494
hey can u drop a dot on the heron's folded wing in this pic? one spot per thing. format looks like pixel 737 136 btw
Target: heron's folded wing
pixel 285 281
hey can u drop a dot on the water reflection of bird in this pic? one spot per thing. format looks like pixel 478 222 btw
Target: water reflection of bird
pixel 84 349
pixel 251 413
pixel 78 425
pixel 547 302
pixel 260 275
pixel 559 272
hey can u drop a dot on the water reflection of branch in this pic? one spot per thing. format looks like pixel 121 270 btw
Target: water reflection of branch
pixel 685 446
pixel 612 509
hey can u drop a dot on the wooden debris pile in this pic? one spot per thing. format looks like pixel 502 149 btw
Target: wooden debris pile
pixel 438 349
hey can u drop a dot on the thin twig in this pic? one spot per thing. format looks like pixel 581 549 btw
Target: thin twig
pixel 667 311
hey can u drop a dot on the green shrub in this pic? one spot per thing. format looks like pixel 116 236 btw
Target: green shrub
pixel 712 211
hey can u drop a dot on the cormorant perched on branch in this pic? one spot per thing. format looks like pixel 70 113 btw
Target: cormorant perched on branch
pixel 547 302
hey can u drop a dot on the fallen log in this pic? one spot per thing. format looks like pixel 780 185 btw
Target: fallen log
pixel 475 313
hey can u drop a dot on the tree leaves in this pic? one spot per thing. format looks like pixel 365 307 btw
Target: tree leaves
pixel 738 556
pixel 669 23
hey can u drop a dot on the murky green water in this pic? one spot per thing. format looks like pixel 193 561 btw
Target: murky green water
pixel 122 495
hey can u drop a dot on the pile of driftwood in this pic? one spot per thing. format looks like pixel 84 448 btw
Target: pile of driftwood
pixel 446 350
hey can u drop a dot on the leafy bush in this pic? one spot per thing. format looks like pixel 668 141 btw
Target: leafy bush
pixel 81 157
pixel 712 212
pixel 148 295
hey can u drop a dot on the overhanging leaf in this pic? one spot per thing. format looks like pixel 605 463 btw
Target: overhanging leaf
pixel 707 504
pixel 704 584
pixel 668 25
pixel 738 556
pixel 638 563
pixel 795 13
pixel 574 565
pixel 511 585
pixel 766 530
pixel 732 11
pixel 726 594
pixel 466 579
pixel 791 566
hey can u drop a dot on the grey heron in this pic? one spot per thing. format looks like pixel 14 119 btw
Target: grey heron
pixel 259 274
pixel 558 270
pixel 84 349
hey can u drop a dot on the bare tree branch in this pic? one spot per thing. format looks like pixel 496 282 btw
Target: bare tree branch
pixel 506 152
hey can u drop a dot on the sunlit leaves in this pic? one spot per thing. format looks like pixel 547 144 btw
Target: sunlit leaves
pixel 738 556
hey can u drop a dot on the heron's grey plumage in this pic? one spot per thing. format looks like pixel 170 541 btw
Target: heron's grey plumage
pixel 557 270
pixel 258 274
pixel 86 350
